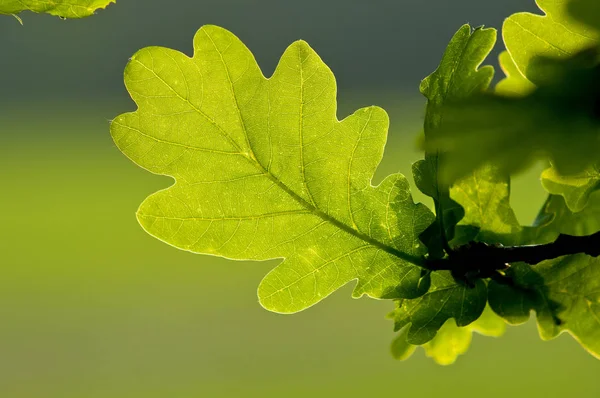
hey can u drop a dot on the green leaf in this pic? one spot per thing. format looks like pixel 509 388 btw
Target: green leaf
pixel 564 293
pixel 61 8
pixel 451 341
pixel 445 299
pixel 264 170
pixel 458 76
pixel 576 189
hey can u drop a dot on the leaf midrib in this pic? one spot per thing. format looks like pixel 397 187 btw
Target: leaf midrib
pixel 309 206
pixel 252 159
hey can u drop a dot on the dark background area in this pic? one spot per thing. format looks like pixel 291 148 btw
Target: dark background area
pixel 369 44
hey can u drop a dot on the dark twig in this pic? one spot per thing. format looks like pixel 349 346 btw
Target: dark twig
pixel 478 260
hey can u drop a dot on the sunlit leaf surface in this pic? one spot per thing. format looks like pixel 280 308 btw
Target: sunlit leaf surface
pixel 264 170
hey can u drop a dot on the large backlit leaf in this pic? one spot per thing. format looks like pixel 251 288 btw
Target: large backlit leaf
pixel 264 170
pixel 61 8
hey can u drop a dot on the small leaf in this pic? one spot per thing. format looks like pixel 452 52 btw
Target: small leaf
pixel 576 189
pixel 480 201
pixel 61 8
pixel 445 299
pixel 264 170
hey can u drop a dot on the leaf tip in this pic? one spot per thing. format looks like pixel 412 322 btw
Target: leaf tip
pixel 303 48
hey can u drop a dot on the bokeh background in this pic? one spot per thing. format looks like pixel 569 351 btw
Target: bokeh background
pixel 91 306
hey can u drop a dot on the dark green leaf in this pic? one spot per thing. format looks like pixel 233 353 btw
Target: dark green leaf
pixel 445 299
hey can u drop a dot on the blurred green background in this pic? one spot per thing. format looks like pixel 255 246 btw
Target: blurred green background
pixel 91 306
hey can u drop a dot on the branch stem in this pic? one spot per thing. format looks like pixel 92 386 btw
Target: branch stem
pixel 480 259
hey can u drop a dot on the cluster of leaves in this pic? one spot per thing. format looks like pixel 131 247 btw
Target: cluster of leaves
pixel 549 94
pixel 547 104
pixel 263 169
pixel 60 8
